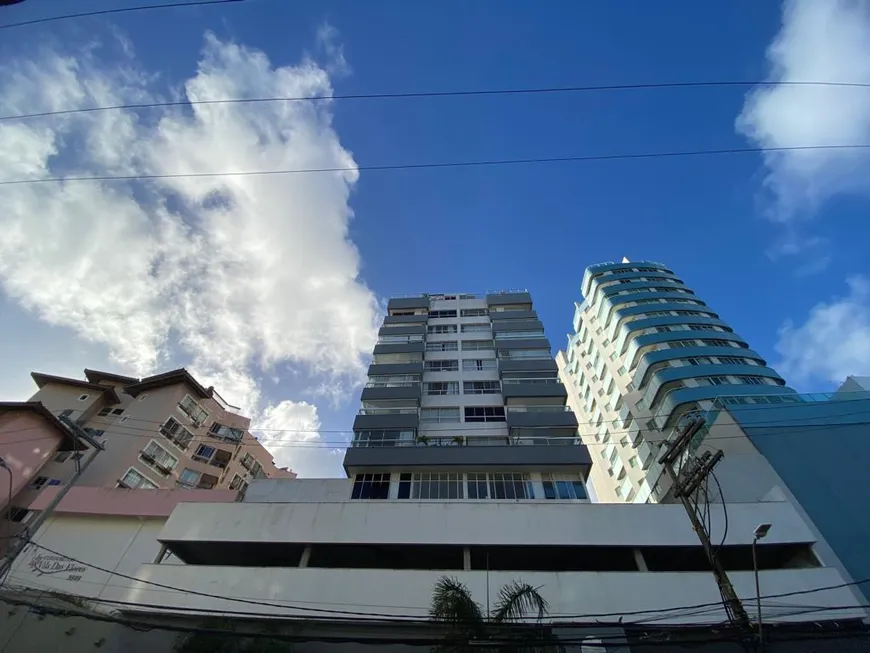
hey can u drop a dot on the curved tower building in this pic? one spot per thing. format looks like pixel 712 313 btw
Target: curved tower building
pixel 645 351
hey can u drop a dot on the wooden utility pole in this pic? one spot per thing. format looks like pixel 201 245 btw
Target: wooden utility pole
pixel 683 488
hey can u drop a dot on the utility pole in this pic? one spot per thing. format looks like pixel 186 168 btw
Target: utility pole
pixel 685 487
pixel 18 545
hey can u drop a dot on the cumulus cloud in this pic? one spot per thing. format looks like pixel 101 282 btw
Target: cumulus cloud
pixel 237 273
pixel 834 341
pixel 827 41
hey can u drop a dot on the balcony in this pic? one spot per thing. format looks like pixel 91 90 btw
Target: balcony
pixel 207 482
pixel 386 418
pixel 396 369
pixel 400 348
pixel 520 365
pixel 535 342
pixel 396 391
pixel 555 420
pixel 509 298
pixel 524 455
pixel 151 461
pixel 542 390
pixel 220 459
pixel 407 303
pixel 501 316
pixel 503 328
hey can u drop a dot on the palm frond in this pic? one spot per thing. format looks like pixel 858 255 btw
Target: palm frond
pixel 516 600
pixel 452 603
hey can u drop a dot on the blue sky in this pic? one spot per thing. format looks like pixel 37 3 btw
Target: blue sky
pixel 294 270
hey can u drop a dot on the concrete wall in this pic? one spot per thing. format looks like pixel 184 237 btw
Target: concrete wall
pixel 27 442
pixel 295 591
pixel 472 522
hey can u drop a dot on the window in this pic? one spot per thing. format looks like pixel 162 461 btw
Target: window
pixel 718 380
pixel 397 381
pixel 380 438
pixel 238 483
pixel 451 345
pixel 18 514
pixel 481 388
pixel 97 433
pixel 83 397
pixel 439 415
pixel 108 410
pixel 441 388
pixel 623 441
pixel 134 480
pixel 40 482
pixel 524 353
pixel 702 327
pixel 476 345
pixel 371 486
pixel 499 486
pixel 442 366
pixel 190 408
pixel 663 329
pixel 203 453
pixel 676 344
pixel 176 433
pixel 478 364
pixel 434 486
pixel 700 360
pixel 440 329
pixel 622 370
pixel 515 335
pixel 400 339
pixel 732 360
pixel 61 456
pixel 155 455
pixel 751 380
pixel 188 478
pixel 440 314
pixel 563 486
pixel 225 432
pixel 474 312
pixel 484 414
pixel 716 343
pixel 477 327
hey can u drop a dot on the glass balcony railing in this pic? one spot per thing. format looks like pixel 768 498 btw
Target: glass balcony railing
pixel 387 411
pixel 538 409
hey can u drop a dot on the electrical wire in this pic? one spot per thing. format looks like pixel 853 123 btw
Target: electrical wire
pixel 438 94
pixel 438 165
pixel 646 639
pixel 102 12
pixel 404 617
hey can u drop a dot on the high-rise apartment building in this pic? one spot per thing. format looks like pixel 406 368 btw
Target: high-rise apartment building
pixel 463 401
pixel 645 351
pixel 159 432
pixel 464 463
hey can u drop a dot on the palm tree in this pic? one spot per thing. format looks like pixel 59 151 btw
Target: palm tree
pixel 453 605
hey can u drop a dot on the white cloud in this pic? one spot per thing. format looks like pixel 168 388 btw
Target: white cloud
pixel 834 342
pixel 827 40
pixel 239 274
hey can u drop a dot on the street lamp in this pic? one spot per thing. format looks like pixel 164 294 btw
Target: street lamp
pixel 759 533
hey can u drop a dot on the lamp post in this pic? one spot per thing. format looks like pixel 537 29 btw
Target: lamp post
pixel 759 533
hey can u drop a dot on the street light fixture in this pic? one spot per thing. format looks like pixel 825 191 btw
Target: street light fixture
pixel 759 533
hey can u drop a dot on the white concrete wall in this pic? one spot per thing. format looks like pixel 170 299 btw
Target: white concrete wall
pixel 390 592
pixel 473 522
pixel 118 544
pixel 299 490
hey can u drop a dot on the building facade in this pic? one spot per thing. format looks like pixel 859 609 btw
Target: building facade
pixel 646 350
pixel 463 402
pixel 160 432
pixel 464 463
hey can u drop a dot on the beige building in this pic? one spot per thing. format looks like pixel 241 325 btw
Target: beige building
pixel 162 431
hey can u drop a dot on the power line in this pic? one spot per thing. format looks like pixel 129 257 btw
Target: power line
pixel 193 3
pixel 407 618
pixel 437 94
pixel 115 430
pixel 442 164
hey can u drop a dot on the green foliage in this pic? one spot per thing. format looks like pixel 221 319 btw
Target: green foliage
pixel 453 605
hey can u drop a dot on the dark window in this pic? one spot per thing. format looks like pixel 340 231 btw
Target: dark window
pixel 436 314
pixel 18 514
pixel 371 486
pixel 404 486
pixel 484 414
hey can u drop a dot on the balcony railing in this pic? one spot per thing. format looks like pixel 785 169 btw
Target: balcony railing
pixel 397 384
pixel 470 441
pixel 530 380
pixel 538 409
pixel 388 411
